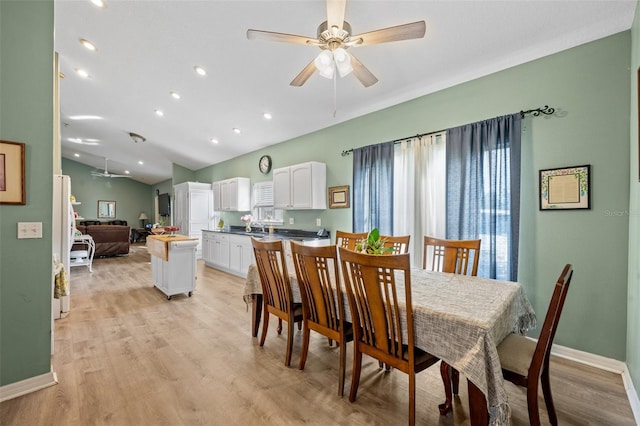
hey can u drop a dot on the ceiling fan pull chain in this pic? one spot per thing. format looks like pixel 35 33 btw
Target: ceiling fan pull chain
pixel 335 91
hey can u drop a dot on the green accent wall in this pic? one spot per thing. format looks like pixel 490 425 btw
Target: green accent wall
pixel 633 307
pixel 26 115
pixel 589 87
pixel 131 197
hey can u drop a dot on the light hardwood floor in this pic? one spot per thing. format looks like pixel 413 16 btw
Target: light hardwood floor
pixel 128 356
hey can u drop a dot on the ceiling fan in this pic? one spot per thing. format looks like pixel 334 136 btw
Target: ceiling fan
pixel 106 173
pixel 334 38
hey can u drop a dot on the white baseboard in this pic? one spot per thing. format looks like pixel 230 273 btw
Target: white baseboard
pixel 606 364
pixel 29 385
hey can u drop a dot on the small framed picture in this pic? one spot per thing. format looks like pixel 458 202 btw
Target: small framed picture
pixel 12 185
pixel 339 197
pixel 566 188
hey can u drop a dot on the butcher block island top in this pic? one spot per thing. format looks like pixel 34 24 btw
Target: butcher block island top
pixel 158 245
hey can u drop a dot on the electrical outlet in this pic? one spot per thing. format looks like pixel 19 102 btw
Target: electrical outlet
pixel 318 222
pixel 291 221
pixel 29 230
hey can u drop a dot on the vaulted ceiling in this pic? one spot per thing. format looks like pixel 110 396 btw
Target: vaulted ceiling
pixel 148 49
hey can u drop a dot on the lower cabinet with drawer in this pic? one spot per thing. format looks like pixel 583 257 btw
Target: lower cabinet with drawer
pixel 227 252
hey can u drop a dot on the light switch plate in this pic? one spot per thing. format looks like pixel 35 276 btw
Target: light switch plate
pixel 290 221
pixel 29 230
pixel 318 222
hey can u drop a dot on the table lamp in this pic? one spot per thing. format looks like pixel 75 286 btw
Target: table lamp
pixel 143 218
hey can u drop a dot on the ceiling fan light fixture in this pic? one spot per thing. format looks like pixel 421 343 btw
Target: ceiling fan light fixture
pixel 343 61
pixel 324 63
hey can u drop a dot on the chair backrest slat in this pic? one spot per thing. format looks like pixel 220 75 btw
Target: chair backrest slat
pixel 399 243
pixel 349 240
pixel 319 281
pixel 451 255
pixel 274 277
pixel 370 281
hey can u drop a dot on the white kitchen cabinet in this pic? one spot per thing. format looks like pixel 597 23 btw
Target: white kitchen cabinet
pixel 228 252
pixel 240 254
pixel 234 194
pixel 301 186
pixel 217 201
pixel 193 210
pixel 217 249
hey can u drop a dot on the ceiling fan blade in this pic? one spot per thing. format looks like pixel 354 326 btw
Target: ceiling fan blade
pixel 279 37
pixel 362 73
pixel 335 13
pixel 397 33
pixel 304 75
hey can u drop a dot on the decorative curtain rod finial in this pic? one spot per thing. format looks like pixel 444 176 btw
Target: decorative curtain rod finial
pixel 536 112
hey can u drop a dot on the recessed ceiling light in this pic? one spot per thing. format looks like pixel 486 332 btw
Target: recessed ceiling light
pixel 200 70
pixel 85 117
pixel 76 155
pixel 159 113
pixel 267 116
pixel 236 130
pixel 86 43
pixel 175 95
pixel 141 162
pixel 126 172
pixel 214 141
pixel 99 3
pixel 82 73
pixel 75 140
pixel 92 140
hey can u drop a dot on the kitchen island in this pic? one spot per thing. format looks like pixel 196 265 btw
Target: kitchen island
pixel 173 263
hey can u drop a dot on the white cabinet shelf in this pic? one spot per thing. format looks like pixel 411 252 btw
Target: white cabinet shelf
pixel 83 257
pixel 301 186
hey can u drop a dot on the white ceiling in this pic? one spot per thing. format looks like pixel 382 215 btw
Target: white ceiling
pixel 148 48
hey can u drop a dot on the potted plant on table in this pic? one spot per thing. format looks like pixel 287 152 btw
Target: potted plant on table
pixel 373 244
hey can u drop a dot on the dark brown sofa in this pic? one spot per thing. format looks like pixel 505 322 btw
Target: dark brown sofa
pixel 111 240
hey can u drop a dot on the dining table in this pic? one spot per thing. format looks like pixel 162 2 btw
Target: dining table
pixel 458 318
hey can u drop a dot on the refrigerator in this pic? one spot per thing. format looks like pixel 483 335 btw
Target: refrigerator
pixel 63 230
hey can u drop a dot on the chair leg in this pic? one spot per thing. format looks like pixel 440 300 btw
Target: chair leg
pixel 343 363
pixel 532 403
pixel 265 326
pixel 445 372
pixel 412 398
pixel 355 374
pixel 279 325
pixel 287 360
pixel 548 400
pixel 305 345
pixel 455 381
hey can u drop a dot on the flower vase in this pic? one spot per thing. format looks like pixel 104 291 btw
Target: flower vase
pixel 247 227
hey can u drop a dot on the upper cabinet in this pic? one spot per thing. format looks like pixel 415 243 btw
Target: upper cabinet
pixel 301 186
pixel 232 194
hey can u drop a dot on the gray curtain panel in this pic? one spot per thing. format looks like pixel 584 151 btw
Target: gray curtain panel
pixel 373 188
pixel 483 191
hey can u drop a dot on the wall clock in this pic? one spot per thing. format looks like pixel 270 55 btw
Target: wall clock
pixel 264 164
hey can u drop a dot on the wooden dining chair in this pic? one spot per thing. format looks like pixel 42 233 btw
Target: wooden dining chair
pixel 458 257
pixel 322 300
pixel 383 325
pixel 399 243
pixel 526 363
pixel 276 290
pixel 349 240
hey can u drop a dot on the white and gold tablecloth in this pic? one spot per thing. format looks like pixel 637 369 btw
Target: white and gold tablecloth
pixel 461 320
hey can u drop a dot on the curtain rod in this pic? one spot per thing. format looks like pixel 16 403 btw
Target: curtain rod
pixel 546 110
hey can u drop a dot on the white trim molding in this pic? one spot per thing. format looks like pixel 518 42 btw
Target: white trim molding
pixel 23 387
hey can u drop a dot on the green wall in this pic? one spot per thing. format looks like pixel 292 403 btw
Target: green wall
pixel 26 115
pixel 589 86
pixel 131 197
pixel 633 318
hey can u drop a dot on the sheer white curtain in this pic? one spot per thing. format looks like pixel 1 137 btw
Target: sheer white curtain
pixel 419 193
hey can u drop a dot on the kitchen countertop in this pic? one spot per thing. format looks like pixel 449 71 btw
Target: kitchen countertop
pixel 283 233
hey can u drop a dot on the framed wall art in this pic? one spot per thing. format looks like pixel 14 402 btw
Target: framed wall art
pixel 566 188
pixel 12 185
pixel 339 197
